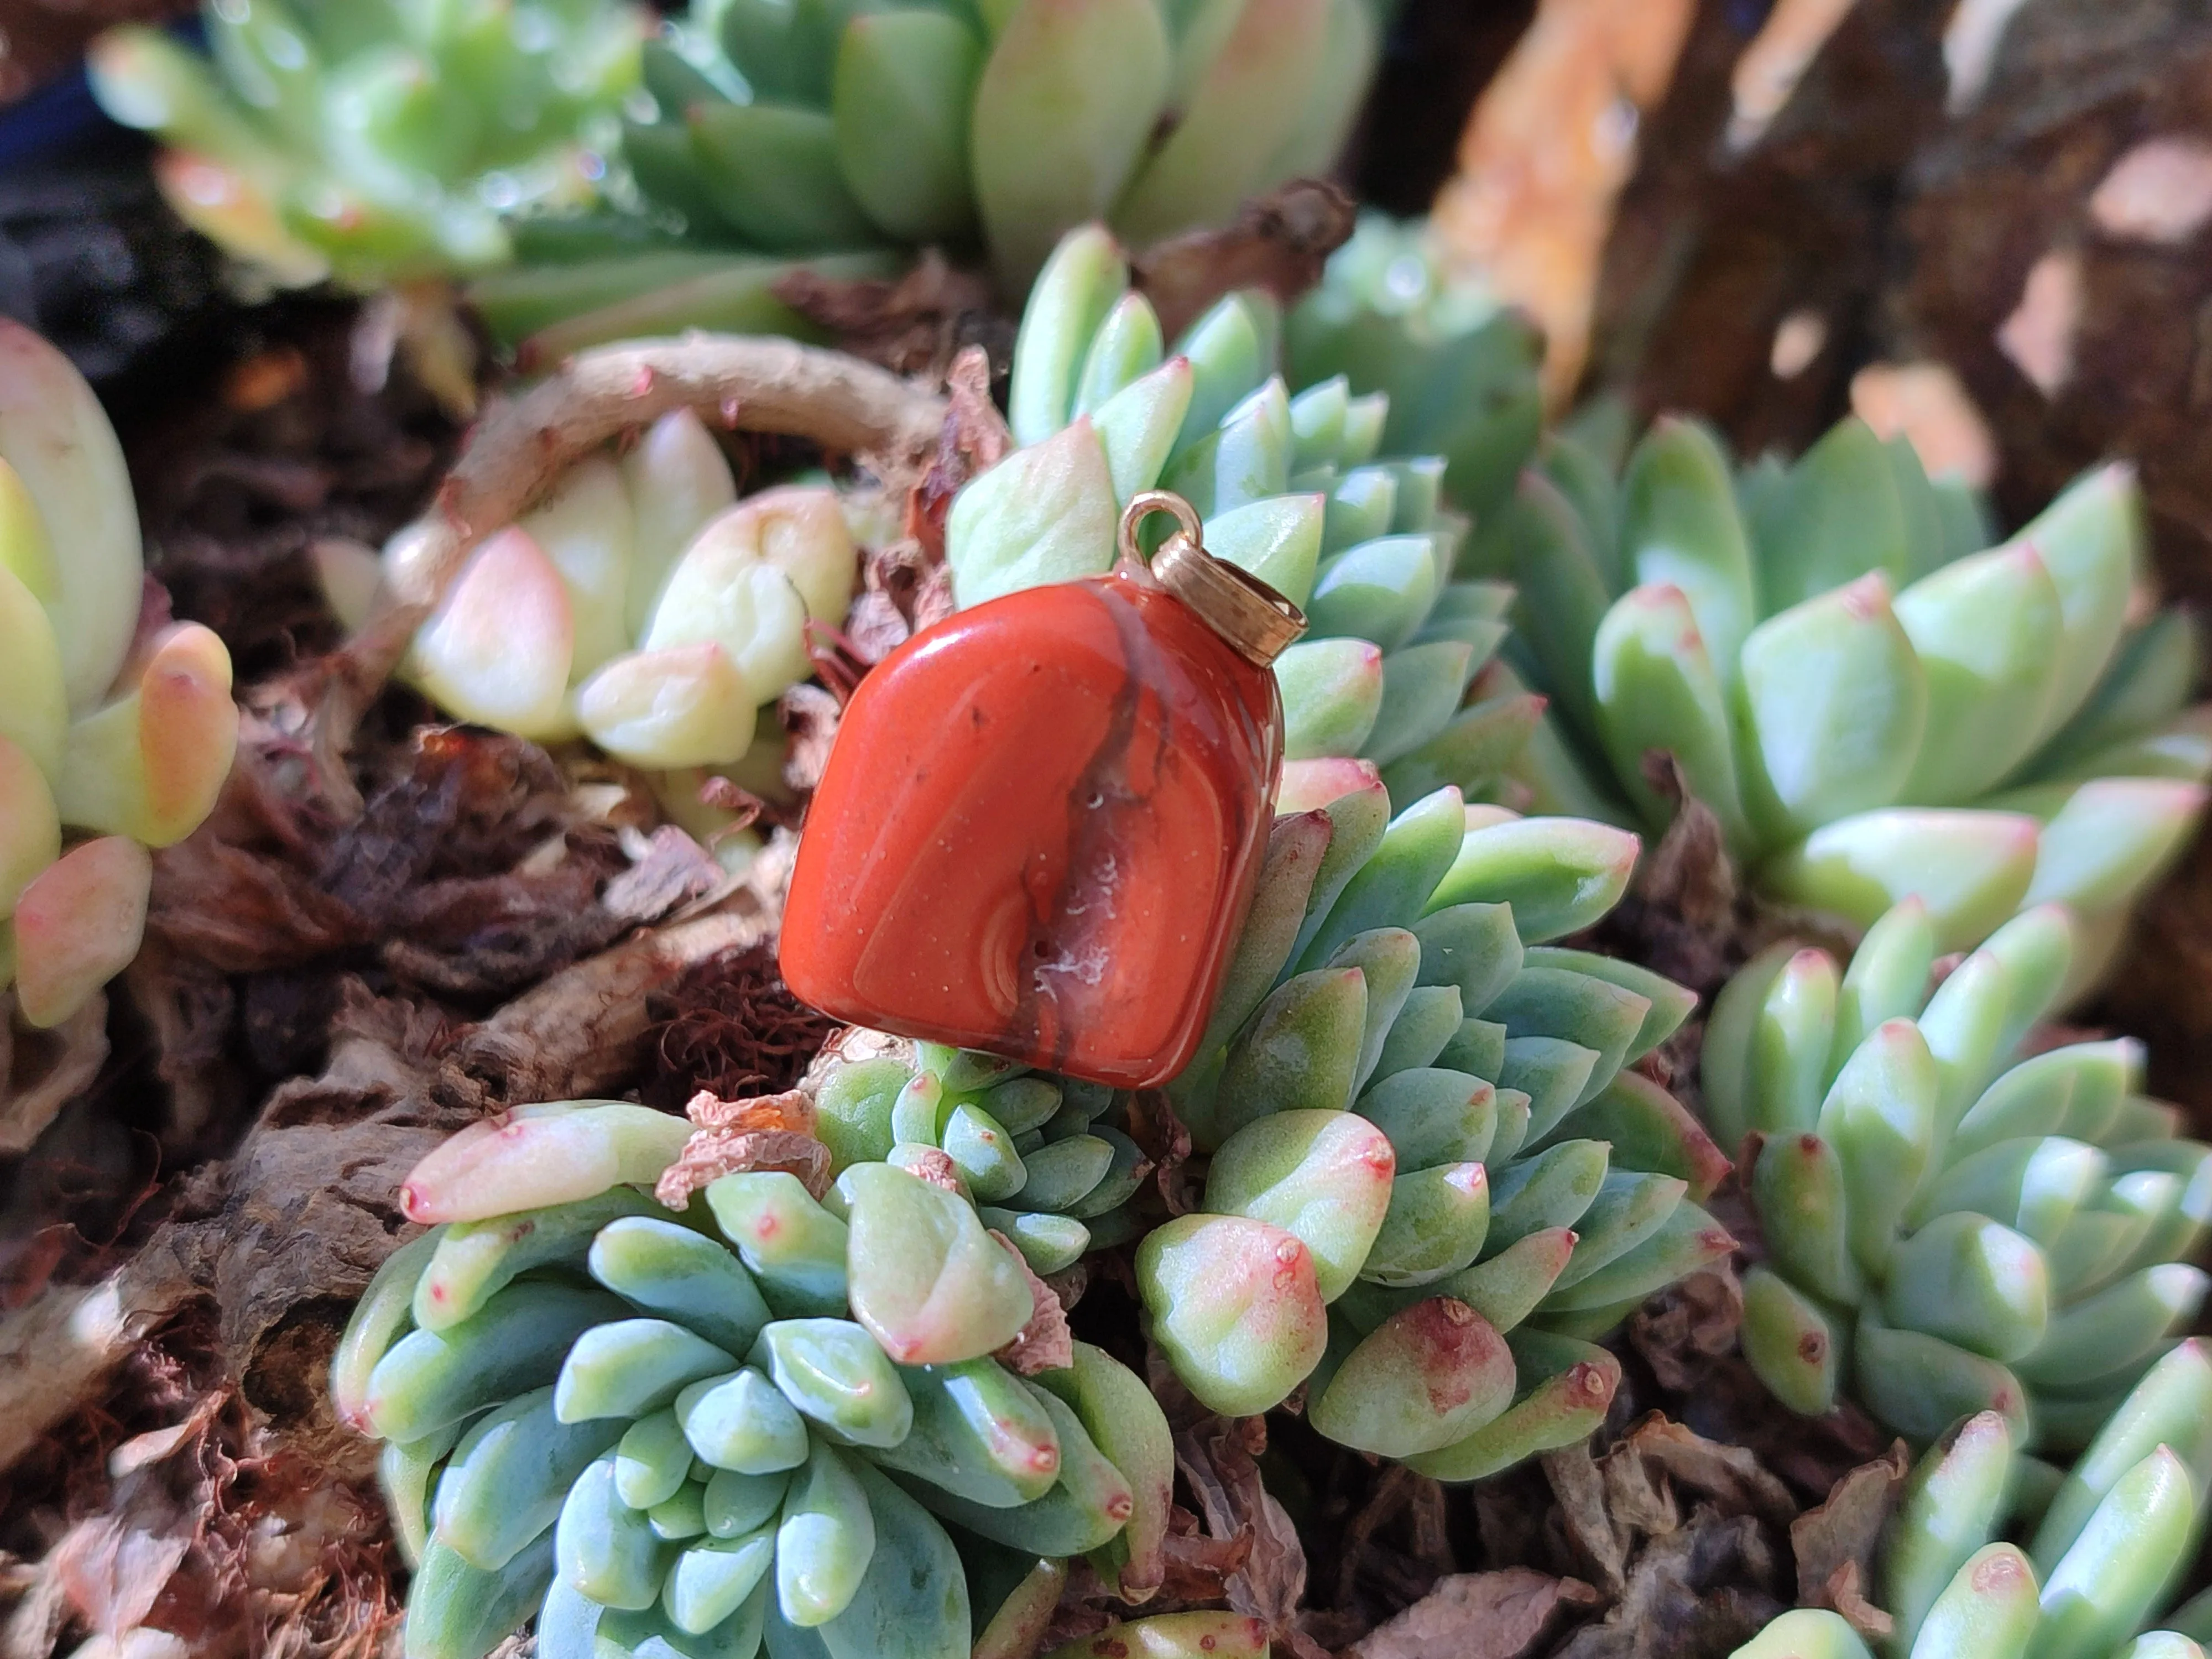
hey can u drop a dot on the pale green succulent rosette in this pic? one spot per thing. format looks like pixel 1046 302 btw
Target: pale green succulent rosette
pixel 758 1419
pixel 1433 1180
pixel 1460 369
pixel 2100 1546
pixel 110 744
pixel 1430 1177
pixel 1049 1162
pixel 1950 1227
pixel 784 132
pixel 376 140
pixel 1289 488
pixel 641 606
pixel 1873 702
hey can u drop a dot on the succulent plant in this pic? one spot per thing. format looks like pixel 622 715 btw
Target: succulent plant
pixel 1431 1178
pixel 833 125
pixel 374 140
pixel 1950 1225
pixel 1871 701
pixel 2104 1543
pixel 640 605
pixel 670 1429
pixel 1289 488
pixel 1459 367
pixel 1047 1160
pixel 113 738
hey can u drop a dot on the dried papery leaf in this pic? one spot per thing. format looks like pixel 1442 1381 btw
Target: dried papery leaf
pixel 809 715
pixel 113 1570
pixel 1218 1456
pixel 1278 242
pixel 1199 1567
pixel 243 911
pixel 1835 1543
pixel 911 325
pixel 973 439
pixel 1045 1343
pixel 1684 1329
pixel 1691 1592
pixel 713 1153
pixel 1165 1141
pixel 476 938
pixel 1681 916
pixel 41 1070
pixel 1600 1549
pixel 1477 1615
pixel 938 1168
pixel 767 1132
pixel 1730 1475
pixel 881 618
pixel 669 869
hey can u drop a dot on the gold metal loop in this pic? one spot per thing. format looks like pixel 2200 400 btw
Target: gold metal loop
pixel 1142 506
pixel 1255 620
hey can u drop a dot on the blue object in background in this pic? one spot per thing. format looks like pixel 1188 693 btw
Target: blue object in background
pixel 56 115
pixel 90 255
pixel 63 112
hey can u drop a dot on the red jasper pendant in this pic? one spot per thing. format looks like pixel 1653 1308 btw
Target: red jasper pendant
pixel 1039 828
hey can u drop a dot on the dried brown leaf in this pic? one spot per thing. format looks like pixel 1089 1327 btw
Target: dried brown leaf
pixel 1197 1565
pixel 1164 1139
pixel 1218 1456
pixel 1690 868
pixel 1398 1493
pixel 1045 1344
pixel 1690 1594
pixel 1731 1476
pixel 670 869
pixel 1683 1330
pixel 1477 1615
pixel 41 1070
pixel 911 325
pixel 768 1132
pixel 1599 1548
pixel 809 715
pixel 972 438
pixel 1835 1543
pixel 1278 243
pixel 244 911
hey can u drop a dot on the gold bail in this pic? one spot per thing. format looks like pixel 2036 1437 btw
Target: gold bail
pixel 1257 620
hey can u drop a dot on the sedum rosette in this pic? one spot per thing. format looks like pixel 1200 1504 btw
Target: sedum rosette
pixel 742 1416
pixel 1872 701
pixel 1460 369
pixel 641 605
pixel 113 740
pixel 843 137
pixel 1295 490
pixel 2101 1546
pixel 1951 1224
pixel 373 140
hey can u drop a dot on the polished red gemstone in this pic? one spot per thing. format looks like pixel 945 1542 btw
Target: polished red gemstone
pixel 1039 831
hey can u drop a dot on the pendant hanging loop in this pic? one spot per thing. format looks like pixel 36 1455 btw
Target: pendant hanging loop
pixel 1252 616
